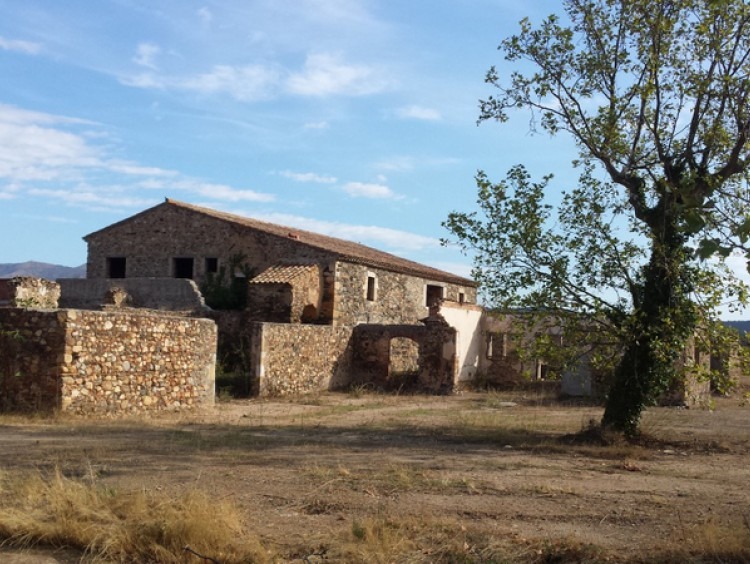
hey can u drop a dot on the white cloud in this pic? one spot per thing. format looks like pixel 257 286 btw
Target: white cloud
pixel 125 167
pixel 205 15
pixel 419 112
pixel 40 158
pixel 366 234
pixel 368 190
pixel 103 198
pixel 308 177
pixel 248 83
pixel 396 164
pixel 19 46
pixel 326 74
pixel 222 192
pixel 145 54
pixel 317 125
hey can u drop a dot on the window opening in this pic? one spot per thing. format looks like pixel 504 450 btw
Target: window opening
pixel 212 265
pixel 497 345
pixel 433 295
pixel 183 267
pixel 370 288
pixel 115 267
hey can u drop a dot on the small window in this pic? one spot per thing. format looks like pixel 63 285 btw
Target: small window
pixel 433 295
pixel 115 267
pixel 370 288
pixel 461 298
pixel 212 265
pixel 183 267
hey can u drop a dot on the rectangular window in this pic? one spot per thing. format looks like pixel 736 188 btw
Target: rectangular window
pixel 497 345
pixel 370 288
pixel 433 295
pixel 461 297
pixel 183 267
pixel 115 267
pixel 212 265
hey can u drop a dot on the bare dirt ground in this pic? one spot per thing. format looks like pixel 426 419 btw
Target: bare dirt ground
pixel 475 477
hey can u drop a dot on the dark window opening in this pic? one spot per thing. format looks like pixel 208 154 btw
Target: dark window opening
pixel 370 288
pixel 434 295
pixel 461 297
pixel 115 267
pixel 212 265
pixel 183 268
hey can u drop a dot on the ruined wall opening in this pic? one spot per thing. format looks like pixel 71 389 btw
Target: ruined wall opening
pixel 309 314
pixel 403 362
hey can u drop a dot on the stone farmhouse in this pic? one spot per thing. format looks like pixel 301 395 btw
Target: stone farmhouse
pixel 321 313
pixel 300 276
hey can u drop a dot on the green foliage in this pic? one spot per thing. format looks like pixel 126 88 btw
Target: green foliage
pixel 657 96
pixel 227 289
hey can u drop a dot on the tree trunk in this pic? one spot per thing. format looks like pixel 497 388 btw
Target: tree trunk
pixel 663 318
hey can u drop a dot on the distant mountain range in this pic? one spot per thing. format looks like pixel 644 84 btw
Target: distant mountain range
pixel 741 326
pixel 42 270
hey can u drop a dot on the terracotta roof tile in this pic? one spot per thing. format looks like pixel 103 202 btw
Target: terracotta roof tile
pixel 283 274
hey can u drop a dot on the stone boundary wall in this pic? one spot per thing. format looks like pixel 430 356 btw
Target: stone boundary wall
pixel 171 294
pixel 29 291
pixel 297 359
pixel 89 362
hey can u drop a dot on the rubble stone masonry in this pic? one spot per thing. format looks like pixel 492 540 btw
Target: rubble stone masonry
pixel 299 359
pixel 90 362
pixel 398 298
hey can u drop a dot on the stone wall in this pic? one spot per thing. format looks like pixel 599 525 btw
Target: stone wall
pixel 297 359
pixel 90 362
pixel 435 342
pixel 398 298
pixel 31 353
pixel 27 291
pixel 169 294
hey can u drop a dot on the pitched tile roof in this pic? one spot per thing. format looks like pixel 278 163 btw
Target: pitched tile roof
pixel 340 248
pixel 283 274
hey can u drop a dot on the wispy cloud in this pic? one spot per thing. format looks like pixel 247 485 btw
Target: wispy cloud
pixel 322 75
pixel 419 113
pixel 326 74
pixel 145 55
pixel 383 237
pixel 370 190
pixel 308 177
pixel 20 46
pixel 250 83
pixel 317 125
pixel 40 157
pixel 205 15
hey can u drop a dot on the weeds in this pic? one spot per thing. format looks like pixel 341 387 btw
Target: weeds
pixel 110 526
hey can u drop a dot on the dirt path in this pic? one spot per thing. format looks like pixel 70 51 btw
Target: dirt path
pixel 485 468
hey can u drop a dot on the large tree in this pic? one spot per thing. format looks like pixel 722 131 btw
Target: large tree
pixel 656 94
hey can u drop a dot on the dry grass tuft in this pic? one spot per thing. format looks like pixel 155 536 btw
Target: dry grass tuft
pixel 106 525
pixel 381 539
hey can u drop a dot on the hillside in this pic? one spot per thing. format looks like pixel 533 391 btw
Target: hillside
pixel 41 270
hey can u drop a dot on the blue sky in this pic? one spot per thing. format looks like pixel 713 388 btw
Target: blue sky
pixel 354 118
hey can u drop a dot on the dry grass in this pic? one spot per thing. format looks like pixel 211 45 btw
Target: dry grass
pixel 110 526
pixel 383 539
